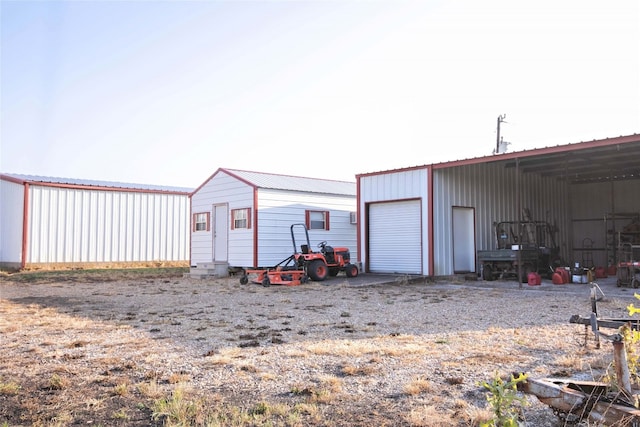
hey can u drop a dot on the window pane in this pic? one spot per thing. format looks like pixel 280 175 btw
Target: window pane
pixel 240 218
pixel 317 220
pixel 201 222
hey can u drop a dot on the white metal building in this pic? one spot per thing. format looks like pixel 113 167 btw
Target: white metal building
pixel 48 222
pixel 431 220
pixel 243 219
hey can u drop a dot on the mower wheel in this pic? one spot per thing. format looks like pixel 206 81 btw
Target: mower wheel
pixel 304 279
pixel 244 280
pixel 266 282
pixel 351 270
pixel 317 270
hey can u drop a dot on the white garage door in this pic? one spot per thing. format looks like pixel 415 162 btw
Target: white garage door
pixel 395 239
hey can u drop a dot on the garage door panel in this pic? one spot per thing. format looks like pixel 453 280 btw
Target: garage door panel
pixel 395 238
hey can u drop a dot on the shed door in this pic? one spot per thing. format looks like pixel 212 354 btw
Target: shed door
pixel 220 233
pixel 395 237
pixel 464 240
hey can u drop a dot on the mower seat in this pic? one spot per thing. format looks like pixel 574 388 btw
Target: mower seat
pixel 304 249
pixel 329 254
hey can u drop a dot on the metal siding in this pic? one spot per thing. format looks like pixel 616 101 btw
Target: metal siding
pixel 11 221
pixel 280 209
pixel 408 184
pixel 95 226
pixel 491 189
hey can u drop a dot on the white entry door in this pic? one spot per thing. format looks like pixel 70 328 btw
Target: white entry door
pixel 220 232
pixel 464 240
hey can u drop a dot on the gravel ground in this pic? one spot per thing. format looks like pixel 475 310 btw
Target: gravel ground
pixel 371 351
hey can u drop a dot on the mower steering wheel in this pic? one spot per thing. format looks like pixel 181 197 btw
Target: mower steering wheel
pixel 322 244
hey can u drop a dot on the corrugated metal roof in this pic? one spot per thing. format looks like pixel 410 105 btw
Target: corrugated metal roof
pixel 582 162
pixel 94 183
pixel 294 183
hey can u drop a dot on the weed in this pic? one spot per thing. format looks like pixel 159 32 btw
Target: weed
pixel 150 389
pixel 261 408
pixel 176 409
pixel 504 400
pixel 120 414
pixel 56 382
pixel 9 388
pixel 120 390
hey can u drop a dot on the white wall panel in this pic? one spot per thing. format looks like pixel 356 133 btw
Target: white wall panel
pixel 279 209
pixel 69 225
pixel 11 219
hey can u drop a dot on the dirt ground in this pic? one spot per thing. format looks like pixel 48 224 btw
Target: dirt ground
pixel 156 348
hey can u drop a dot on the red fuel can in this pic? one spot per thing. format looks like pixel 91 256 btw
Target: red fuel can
pixel 534 279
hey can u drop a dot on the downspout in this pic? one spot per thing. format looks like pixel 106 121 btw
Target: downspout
pixel 25 226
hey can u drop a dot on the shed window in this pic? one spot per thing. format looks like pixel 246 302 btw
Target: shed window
pixel 240 218
pixel 317 220
pixel 201 221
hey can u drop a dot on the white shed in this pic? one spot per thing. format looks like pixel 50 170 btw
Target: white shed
pixel 242 219
pixel 61 222
pixel 431 220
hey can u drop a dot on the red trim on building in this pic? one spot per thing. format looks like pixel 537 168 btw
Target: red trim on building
pixel 576 146
pixel 89 186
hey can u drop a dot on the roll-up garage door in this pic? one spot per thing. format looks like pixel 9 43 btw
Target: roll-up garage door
pixel 395 238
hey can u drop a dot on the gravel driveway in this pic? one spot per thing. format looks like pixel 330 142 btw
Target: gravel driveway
pixel 380 350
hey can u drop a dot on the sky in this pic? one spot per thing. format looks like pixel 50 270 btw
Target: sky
pixel 167 92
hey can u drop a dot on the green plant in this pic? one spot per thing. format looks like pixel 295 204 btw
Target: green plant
pixel 9 388
pixel 504 400
pixel 56 382
pixel 120 414
pixel 176 409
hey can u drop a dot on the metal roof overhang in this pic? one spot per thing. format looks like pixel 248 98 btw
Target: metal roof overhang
pixel 613 159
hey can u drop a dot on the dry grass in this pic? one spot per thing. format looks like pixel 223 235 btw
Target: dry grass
pixel 417 386
pixel 138 353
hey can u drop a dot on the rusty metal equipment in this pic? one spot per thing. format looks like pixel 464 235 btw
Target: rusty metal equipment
pixel 628 269
pixel 304 264
pixel 574 401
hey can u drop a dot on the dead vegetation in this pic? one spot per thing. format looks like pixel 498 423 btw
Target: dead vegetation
pixel 158 349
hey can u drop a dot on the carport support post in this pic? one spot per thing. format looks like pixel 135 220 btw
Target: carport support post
pixel 518 210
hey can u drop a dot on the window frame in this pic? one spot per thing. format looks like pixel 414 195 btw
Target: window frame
pixel 234 219
pixel 206 216
pixel 309 221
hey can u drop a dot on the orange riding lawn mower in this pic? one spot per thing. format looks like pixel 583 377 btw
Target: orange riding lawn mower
pixel 304 264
